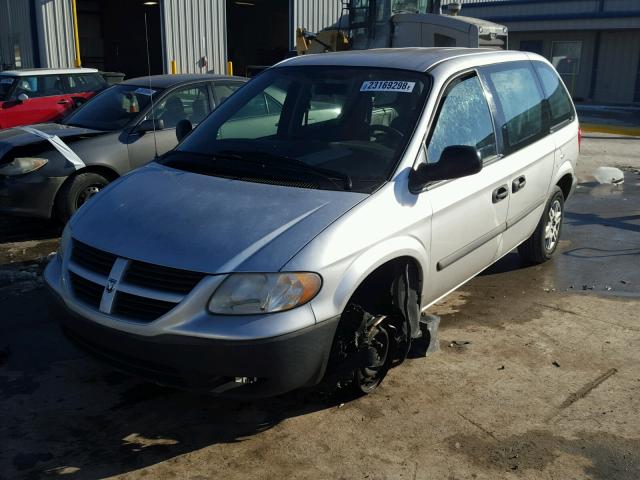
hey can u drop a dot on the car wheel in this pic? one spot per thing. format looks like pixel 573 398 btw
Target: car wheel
pixel 76 191
pixel 543 243
pixel 362 352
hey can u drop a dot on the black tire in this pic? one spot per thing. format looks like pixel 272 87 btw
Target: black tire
pixel 76 191
pixel 543 243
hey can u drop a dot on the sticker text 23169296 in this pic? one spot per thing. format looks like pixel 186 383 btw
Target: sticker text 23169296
pixel 387 86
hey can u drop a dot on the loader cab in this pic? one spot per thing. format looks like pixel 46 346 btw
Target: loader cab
pixel 417 23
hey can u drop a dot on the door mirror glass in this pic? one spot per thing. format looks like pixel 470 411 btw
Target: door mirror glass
pixel 150 124
pixel 183 128
pixel 23 97
pixel 456 161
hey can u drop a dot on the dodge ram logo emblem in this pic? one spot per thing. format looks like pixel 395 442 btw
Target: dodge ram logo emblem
pixel 111 284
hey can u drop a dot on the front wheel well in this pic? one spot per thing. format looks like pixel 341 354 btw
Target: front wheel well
pixel 57 208
pixel 375 292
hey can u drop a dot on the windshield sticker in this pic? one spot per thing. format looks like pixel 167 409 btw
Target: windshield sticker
pixel 387 86
pixel 57 143
pixel 6 80
pixel 144 91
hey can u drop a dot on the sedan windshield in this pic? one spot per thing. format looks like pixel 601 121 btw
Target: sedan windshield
pixel 5 87
pixel 113 109
pixel 326 127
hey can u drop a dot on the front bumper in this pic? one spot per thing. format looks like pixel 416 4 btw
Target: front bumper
pixel 245 368
pixel 29 195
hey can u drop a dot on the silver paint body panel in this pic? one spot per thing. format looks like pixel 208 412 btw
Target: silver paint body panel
pixel 220 226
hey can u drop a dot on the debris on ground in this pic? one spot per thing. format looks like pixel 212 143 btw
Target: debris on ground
pixel 459 344
pixel 588 287
pixel 609 175
pixel 608 288
pixel 555 364
pixel 501 367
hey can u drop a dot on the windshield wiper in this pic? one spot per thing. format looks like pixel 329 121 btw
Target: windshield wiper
pixel 282 161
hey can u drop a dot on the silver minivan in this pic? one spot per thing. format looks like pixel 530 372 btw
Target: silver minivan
pixel 297 234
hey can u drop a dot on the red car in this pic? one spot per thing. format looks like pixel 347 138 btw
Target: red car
pixel 44 95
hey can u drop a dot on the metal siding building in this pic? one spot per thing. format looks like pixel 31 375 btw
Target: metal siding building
pixel 604 36
pixel 194 29
pixel 314 15
pixel 16 40
pixel 190 30
pixel 54 21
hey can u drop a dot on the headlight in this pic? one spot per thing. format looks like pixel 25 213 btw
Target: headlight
pixel 255 293
pixel 22 165
pixel 65 242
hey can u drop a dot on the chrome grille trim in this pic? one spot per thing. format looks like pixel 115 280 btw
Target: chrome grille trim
pixel 154 291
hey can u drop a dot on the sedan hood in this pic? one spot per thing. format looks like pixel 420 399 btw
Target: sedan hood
pixel 16 137
pixel 207 224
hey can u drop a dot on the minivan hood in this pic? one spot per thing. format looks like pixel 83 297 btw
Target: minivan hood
pixel 16 137
pixel 208 224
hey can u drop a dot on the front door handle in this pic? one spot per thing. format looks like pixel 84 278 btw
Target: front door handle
pixel 518 184
pixel 500 193
pixel 64 102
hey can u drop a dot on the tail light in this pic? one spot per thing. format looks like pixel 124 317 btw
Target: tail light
pixel 579 138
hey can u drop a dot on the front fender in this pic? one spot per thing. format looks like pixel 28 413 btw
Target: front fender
pixel 346 280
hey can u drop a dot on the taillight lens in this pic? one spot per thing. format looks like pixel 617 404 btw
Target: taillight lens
pixel 579 138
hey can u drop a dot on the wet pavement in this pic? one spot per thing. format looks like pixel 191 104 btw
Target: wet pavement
pixel 537 378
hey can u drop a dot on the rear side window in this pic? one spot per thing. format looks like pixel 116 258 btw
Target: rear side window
pixel 225 90
pixel 6 83
pixel 515 89
pixel 87 82
pixel 42 86
pixel 463 119
pixel 557 96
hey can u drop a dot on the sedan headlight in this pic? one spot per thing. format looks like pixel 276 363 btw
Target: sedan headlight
pixel 255 293
pixel 22 165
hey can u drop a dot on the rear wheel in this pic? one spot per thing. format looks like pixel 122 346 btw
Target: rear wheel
pixel 77 191
pixel 543 243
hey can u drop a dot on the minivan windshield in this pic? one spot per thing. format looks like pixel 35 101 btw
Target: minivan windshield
pixel 112 109
pixel 326 126
pixel 6 83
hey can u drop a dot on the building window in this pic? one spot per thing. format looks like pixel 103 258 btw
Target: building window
pixel 533 46
pixel 566 56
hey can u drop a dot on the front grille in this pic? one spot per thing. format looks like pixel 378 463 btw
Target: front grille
pixel 162 278
pixel 140 308
pixel 158 289
pixel 92 258
pixel 86 291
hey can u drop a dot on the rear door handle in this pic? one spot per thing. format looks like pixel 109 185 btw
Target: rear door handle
pixel 500 193
pixel 518 184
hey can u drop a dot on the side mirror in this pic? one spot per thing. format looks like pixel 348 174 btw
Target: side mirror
pixel 456 161
pixel 183 128
pixel 149 125
pixel 23 97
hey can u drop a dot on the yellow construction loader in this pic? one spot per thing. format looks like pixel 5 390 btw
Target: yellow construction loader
pixel 401 23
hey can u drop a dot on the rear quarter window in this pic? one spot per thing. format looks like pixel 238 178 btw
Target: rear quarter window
pixel 86 82
pixel 560 104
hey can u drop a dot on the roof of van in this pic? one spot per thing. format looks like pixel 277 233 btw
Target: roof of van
pixel 419 59
pixel 46 71
pixel 166 81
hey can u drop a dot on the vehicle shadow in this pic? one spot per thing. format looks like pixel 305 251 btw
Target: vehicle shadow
pixel 66 414
pixel 22 229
